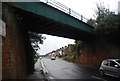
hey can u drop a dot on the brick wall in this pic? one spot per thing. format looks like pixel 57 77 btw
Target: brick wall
pixel 96 51
pixel 13 52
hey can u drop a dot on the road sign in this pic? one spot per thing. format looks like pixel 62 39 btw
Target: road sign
pixel 2 28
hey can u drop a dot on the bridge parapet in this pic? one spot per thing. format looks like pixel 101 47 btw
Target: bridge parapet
pixel 56 5
pixel 64 9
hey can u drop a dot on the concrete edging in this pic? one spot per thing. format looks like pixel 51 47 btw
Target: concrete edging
pixel 45 72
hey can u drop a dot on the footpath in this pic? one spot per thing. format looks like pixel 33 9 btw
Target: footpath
pixel 38 74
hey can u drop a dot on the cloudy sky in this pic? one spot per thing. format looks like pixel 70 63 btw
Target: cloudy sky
pixel 52 43
pixel 85 8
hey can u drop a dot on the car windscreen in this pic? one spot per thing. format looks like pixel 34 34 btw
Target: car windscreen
pixel 118 61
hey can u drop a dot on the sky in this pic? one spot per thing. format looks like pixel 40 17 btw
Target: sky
pixel 83 7
pixel 52 43
pixel 87 7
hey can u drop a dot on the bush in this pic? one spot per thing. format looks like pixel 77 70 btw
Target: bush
pixel 69 58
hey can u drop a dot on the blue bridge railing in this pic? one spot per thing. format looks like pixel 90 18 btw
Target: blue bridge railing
pixel 64 9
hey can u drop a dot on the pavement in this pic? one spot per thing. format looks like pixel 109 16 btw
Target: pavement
pixel 38 74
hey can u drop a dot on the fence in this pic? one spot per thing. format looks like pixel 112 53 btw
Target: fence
pixel 64 9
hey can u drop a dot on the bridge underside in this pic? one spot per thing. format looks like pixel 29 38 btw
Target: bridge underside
pixel 44 25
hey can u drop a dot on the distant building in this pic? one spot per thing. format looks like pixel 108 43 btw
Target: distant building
pixel 68 50
pixel 119 7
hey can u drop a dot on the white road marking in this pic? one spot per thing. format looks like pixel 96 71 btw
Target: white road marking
pixel 98 78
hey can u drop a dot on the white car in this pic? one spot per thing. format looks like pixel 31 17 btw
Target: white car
pixel 52 58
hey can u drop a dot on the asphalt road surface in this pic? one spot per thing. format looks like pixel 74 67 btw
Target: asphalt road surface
pixel 60 69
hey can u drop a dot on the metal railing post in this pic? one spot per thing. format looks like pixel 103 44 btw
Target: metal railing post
pixel 81 18
pixel 69 11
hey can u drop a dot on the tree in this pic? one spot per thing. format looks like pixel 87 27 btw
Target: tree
pixel 36 39
pixel 78 47
pixel 101 12
pixel 107 22
pixel 92 22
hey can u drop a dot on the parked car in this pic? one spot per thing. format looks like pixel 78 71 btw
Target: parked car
pixel 52 58
pixel 110 67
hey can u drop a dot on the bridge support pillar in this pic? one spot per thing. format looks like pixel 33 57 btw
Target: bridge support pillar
pixel 13 53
